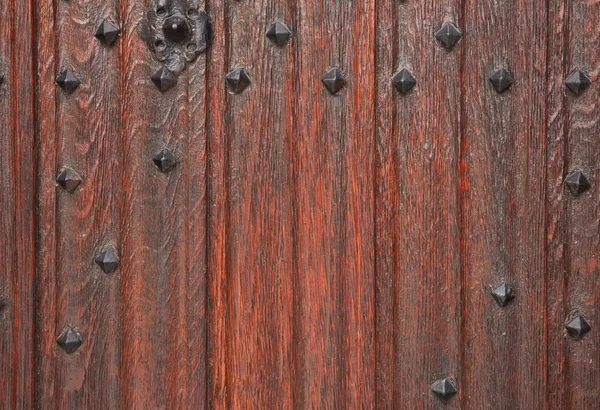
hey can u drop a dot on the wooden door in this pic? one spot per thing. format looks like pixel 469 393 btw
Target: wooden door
pixel 370 204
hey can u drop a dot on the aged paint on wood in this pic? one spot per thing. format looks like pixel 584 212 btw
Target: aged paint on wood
pixel 307 250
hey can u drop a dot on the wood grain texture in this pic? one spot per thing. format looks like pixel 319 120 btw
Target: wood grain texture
pixel 333 167
pixel 572 237
pixel 17 207
pixel 503 158
pixel 143 326
pixel 88 123
pixel 47 225
pixel 308 250
pixel 218 174
pixel 418 264
pixel 282 248
pixel 163 246
pixel 257 270
pixel 79 131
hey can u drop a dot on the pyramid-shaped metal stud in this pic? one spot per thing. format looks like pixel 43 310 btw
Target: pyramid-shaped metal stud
pixel 577 183
pixel 69 340
pixel 279 33
pixel 578 327
pixel 503 294
pixel 238 80
pixel 164 160
pixel 107 32
pixel 448 35
pixel 68 81
pixel 502 79
pixel 108 260
pixel 404 81
pixel 444 388
pixel 68 179
pixel 334 80
pixel 578 82
pixel 164 79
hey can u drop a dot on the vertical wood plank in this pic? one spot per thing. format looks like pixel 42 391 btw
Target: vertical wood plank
pixel 144 371
pixel 388 20
pixel 333 169
pixel 47 33
pixel 146 129
pixel 163 228
pixel 17 204
pixel 574 123
pixel 256 226
pixel 218 174
pixel 503 158
pixel 556 199
pixel 85 222
pixel 418 299
pixel 192 299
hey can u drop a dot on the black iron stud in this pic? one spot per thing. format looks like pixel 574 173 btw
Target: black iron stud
pixel 578 82
pixel 448 35
pixel 165 160
pixel 69 340
pixel 164 79
pixel 577 183
pixel 334 80
pixel 279 33
pixel 68 179
pixel 176 32
pixel 502 79
pixel 503 294
pixel 444 388
pixel 68 81
pixel 404 81
pixel 107 32
pixel 578 327
pixel 238 80
pixel 107 260
pixel 177 29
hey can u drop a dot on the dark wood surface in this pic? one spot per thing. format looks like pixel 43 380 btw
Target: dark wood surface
pixel 502 179
pixel 18 207
pixel 417 214
pixel 572 235
pixel 308 250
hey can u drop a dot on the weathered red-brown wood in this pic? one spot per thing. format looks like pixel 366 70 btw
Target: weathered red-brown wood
pixel 503 162
pixel 48 148
pixel 163 269
pixel 17 206
pixel 192 300
pixel 418 259
pixel 572 227
pixel 308 250
pixel 333 169
pixel 291 270
pixel 85 222
pixel 218 174
pixel 144 326
pixel 79 131
pixel 250 149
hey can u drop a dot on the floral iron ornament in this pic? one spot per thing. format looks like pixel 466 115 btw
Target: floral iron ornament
pixel 176 32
